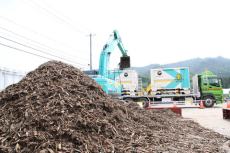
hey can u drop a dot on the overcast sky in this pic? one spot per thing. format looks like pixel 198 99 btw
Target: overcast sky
pixel 153 31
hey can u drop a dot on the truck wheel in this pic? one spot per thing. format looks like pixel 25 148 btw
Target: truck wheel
pixel 208 101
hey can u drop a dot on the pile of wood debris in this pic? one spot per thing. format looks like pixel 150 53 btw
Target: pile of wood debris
pixel 57 108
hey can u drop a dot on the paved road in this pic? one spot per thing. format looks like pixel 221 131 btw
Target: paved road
pixel 211 118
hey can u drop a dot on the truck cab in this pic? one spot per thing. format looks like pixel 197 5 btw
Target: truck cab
pixel 211 90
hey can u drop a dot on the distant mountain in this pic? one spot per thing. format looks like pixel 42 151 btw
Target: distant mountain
pixel 218 65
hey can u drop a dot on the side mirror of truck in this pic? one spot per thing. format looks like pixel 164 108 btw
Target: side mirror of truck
pixel 220 82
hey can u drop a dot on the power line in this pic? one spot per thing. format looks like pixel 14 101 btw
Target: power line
pixel 43 45
pixel 35 32
pixel 62 19
pixel 36 50
pixel 87 30
pixel 21 50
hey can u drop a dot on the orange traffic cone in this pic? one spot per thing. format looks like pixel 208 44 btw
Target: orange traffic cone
pixel 201 104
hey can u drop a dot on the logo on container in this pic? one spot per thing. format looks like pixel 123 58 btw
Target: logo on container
pixel 178 76
pixel 159 72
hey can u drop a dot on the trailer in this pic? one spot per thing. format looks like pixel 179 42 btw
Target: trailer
pixel 171 88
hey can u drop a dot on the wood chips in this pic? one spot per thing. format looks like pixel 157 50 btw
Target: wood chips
pixel 57 108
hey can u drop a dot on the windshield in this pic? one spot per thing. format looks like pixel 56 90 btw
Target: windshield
pixel 214 81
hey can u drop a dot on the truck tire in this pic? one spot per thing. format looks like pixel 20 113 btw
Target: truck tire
pixel 209 101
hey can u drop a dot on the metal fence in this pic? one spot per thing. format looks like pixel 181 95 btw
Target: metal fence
pixel 8 77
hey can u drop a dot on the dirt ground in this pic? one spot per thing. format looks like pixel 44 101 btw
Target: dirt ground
pixel 211 118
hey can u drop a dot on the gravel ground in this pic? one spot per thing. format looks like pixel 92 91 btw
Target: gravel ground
pixel 211 118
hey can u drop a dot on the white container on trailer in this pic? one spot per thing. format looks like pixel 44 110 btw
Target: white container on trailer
pixel 128 80
pixel 170 79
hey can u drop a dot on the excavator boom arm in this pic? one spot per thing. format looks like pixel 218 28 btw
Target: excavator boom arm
pixel 107 50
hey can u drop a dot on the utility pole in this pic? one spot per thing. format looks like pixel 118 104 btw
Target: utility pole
pixel 90 41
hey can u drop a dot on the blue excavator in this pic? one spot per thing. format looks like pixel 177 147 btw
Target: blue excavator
pixel 105 77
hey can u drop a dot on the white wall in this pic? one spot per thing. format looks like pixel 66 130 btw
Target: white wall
pixel 226 91
pixel 8 77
